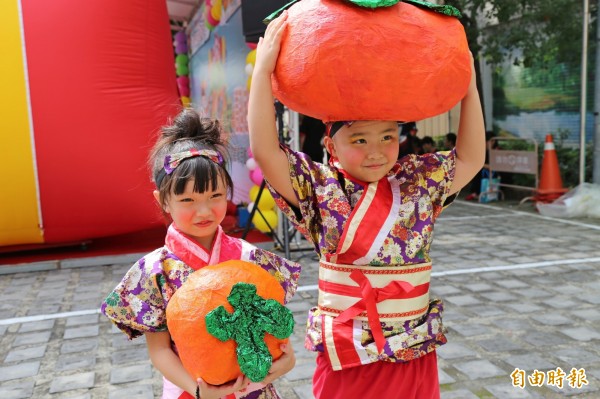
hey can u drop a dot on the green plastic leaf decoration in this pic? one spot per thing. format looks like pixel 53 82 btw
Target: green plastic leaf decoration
pixel 275 14
pixel 374 3
pixel 439 8
pixel 253 316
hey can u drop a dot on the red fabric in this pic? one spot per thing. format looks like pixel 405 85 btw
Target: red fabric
pixel 417 379
pixel 343 342
pixel 370 225
pixel 102 82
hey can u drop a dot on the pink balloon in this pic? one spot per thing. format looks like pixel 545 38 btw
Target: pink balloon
pixel 183 81
pixel 184 91
pixel 251 45
pixel 256 176
pixel 183 84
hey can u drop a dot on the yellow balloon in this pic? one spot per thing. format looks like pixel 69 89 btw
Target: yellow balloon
pixel 249 82
pixel 253 193
pixel 215 11
pixel 261 225
pixel 251 57
pixel 266 202
pixel 185 101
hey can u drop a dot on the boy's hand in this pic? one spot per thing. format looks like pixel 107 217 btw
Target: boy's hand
pixel 208 391
pixel 281 366
pixel 268 47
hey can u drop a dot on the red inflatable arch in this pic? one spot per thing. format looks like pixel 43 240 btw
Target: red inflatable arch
pixel 101 82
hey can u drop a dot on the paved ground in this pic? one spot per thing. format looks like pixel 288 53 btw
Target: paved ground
pixel 522 292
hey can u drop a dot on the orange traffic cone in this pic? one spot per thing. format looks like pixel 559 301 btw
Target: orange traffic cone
pixel 550 186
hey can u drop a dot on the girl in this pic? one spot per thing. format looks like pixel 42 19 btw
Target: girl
pixel 370 217
pixel 192 187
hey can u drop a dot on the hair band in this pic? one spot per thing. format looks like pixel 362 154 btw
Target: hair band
pixel 172 161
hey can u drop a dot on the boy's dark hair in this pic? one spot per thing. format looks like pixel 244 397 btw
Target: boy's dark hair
pixel 427 140
pixel 451 137
pixel 188 130
pixel 407 127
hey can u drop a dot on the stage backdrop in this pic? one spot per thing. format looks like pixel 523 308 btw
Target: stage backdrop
pixel 219 84
pixel 86 85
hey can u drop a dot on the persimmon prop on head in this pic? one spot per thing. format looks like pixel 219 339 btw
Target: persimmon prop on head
pixel 372 60
pixel 227 320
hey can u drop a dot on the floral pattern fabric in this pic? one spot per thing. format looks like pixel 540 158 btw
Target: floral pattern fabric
pixel 138 303
pixel 327 198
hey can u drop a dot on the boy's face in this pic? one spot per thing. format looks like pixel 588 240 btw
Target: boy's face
pixel 366 150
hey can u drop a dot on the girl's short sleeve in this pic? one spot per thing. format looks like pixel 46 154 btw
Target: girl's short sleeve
pixel 137 304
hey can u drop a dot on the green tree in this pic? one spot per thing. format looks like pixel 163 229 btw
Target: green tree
pixel 531 32
pixel 540 33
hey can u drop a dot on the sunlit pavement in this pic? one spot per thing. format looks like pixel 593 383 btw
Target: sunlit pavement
pixel 521 293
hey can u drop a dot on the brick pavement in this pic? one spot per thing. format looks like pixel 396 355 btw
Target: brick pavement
pixel 521 292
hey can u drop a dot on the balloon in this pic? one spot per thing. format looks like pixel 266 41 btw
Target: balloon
pixel 251 45
pixel 184 91
pixel 249 68
pixel 215 11
pixel 250 207
pixel 249 82
pixel 208 25
pixel 180 37
pixel 266 202
pixel 261 224
pixel 181 59
pixel 253 193
pixel 256 176
pixel 251 164
pixel 183 81
pixel 266 199
pixel 181 48
pixel 251 57
pixel 186 101
pixel 182 70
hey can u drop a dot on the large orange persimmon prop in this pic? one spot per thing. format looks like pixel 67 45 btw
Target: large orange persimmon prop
pixel 227 319
pixel 339 61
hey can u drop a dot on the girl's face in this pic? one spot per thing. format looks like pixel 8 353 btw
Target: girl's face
pixel 366 150
pixel 198 214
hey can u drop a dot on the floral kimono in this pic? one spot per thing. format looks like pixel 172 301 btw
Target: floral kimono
pixel 373 242
pixel 138 304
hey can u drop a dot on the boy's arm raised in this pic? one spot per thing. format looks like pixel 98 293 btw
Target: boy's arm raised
pixel 470 140
pixel 264 141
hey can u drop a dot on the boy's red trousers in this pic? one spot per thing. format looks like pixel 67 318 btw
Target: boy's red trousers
pixel 417 379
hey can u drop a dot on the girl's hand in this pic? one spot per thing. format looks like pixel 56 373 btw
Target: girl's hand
pixel 281 366
pixel 208 391
pixel 268 47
